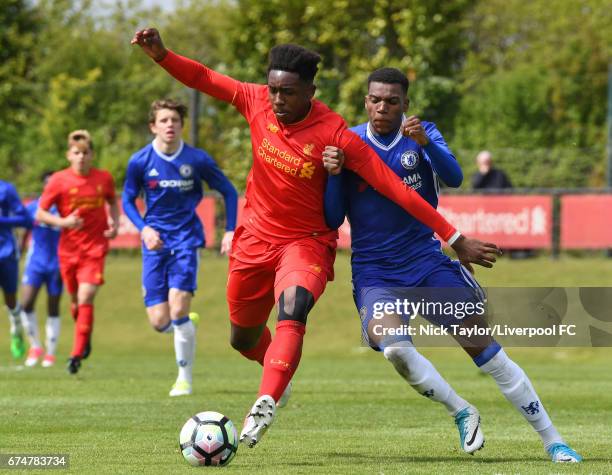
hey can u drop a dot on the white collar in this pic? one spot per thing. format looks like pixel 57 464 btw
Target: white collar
pixel 372 137
pixel 168 158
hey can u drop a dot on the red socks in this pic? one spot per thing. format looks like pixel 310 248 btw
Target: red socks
pixel 282 358
pixel 82 329
pixel 258 353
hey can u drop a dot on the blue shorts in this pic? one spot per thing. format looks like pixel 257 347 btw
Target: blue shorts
pixel 165 270
pixel 9 274
pixel 36 276
pixel 447 294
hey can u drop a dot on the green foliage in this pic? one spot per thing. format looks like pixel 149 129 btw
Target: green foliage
pixel 19 24
pixel 533 89
pixel 522 79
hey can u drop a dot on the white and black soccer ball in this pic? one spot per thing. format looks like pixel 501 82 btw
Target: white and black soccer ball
pixel 208 438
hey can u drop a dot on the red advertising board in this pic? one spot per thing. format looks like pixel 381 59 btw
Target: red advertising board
pixel 585 222
pixel 129 237
pixel 512 222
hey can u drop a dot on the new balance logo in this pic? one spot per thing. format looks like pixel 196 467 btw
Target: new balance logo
pixel 533 408
pixel 428 393
pixel 154 172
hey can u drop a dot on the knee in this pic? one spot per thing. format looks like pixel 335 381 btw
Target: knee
pixel 295 305
pixel 400 355
pixel 242 342
pixel 159 321
pixel 244 339
pixel 161 326
pixel 85 298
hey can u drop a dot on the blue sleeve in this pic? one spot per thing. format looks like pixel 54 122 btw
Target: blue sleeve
pixel 442 159
pixel 131 190
pixel 334 204
pixel 19 217
pixel 216 180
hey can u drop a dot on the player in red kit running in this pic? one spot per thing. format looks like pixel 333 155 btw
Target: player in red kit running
pixel 80 193
pixel 284 251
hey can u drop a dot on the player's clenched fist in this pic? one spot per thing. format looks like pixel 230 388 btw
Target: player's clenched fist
pixel 150 41
pixel 413 128
pixel 333 160
pixel 151 238
pixel 72 221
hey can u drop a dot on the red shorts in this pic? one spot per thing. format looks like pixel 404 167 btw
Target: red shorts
pixel 260 271
pixel 77 270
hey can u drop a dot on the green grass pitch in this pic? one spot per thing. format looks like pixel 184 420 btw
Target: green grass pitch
pixel 350 413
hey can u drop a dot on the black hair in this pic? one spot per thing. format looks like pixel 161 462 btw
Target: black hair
pixel 294 59
pixel 389 76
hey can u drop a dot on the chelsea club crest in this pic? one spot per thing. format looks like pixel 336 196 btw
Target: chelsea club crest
pixel 410 159
pixel 186 171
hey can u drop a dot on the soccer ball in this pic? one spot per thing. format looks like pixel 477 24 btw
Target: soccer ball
pixel 208 438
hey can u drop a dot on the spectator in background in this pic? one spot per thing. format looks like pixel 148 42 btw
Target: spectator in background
pixel 488 176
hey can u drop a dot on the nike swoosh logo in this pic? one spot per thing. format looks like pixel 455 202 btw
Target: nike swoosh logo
pixel 471 441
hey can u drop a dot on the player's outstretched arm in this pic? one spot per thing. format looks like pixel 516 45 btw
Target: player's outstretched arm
pixel 364 161
pixel 189 72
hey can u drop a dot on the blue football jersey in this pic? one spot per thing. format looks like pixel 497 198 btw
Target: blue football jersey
pixel 386 240
pixel 42 251
pixel 172 187
pixel 12 209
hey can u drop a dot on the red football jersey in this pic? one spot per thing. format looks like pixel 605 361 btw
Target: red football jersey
pixel 286 185
pixel 69 191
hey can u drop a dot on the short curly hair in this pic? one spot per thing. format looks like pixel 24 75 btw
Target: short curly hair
pixel 294 59
pixel 389 76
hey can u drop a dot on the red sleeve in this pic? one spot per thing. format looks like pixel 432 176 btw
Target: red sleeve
pixel 360 158
pixel 49 195
pixel 197 76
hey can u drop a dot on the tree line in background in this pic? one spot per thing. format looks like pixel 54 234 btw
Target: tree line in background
pixel 524 79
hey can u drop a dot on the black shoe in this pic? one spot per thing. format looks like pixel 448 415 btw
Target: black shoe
pixel 87 350
pixel 74 363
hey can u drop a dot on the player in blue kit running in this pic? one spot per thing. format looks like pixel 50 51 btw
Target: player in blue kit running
pixel 393 251
pixel 41 268
pixel 12 214
pixel 170 173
